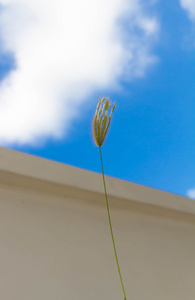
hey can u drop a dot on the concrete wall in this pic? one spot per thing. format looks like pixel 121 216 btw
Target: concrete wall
pixel 55 241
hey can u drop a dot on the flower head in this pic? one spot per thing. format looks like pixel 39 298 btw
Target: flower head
pixel 101 121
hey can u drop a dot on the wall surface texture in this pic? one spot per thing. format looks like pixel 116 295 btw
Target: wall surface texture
pixel 55 241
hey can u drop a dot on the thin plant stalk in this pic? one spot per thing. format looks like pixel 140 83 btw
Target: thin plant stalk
pixel 115 253
pixel 101 123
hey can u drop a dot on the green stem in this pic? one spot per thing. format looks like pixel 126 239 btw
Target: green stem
pixel 111 226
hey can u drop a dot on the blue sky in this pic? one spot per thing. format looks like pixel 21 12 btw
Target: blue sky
pixel 55 62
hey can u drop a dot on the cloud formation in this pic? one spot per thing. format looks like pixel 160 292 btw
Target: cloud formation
pixel 191 193
pixel 189 6
pixel 63 51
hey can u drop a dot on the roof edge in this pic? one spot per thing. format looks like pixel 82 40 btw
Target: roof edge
pixel 18 168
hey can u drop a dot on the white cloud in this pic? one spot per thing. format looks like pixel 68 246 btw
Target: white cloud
pixel 191 193
pixel 189 5
pixel 65 50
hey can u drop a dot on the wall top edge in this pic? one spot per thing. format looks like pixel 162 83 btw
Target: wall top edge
pixel 40 169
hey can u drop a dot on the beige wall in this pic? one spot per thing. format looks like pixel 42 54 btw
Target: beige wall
pixel 55 241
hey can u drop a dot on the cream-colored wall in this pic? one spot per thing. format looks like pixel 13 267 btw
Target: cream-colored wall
pixel 55 241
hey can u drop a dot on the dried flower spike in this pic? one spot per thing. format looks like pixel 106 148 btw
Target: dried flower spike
pixel 101 121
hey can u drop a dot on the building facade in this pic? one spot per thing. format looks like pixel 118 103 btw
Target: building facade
pixel 55 241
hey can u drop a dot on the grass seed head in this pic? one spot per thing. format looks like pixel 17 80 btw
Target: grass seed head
pixel 101 121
